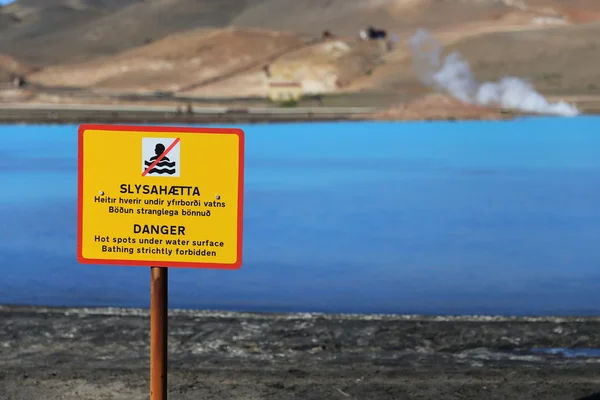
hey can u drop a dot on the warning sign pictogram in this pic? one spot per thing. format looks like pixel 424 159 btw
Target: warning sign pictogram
pixel 159 160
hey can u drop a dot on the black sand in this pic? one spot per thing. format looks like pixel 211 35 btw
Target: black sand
pixel 103 354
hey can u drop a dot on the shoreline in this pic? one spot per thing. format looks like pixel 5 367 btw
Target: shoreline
pixel 232 111
pixel 202 313
pixel 95 353
pixel 47 114
pixel 70 116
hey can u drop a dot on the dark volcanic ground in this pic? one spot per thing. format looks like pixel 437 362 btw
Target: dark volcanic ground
pixel 103 354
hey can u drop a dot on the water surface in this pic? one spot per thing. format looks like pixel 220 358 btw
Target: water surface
pixel 470 217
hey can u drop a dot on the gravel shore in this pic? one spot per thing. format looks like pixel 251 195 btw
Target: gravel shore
pixel 103 354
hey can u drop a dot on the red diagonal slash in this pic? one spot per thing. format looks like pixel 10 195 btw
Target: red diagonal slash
pixel 167 150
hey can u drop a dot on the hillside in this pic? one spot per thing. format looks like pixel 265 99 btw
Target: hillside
pixel 220 48
pixel 171 63
pixel 66 31
pixel 53 31
pixel 347 17
pixel 49 32
pixel 558 58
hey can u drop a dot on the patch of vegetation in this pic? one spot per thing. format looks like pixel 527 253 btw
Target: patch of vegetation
pixel 288 103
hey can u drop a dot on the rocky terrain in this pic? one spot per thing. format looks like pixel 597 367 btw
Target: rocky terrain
pixel 92 354
pixel 236 48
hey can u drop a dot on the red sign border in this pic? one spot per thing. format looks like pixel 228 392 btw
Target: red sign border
pixel 157 129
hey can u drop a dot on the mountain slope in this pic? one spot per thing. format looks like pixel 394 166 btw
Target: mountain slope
pixel 38 31
pixel 220 47
pixel 173 62
pixel 347 17
pixel 67 31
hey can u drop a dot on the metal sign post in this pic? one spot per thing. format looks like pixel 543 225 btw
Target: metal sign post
pixel 159 300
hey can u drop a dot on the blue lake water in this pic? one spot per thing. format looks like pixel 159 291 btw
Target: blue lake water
pixel 447 218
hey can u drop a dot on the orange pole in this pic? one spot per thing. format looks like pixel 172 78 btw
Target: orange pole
pixel 159 285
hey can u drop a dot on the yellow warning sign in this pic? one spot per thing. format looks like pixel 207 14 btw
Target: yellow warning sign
pixel 160 196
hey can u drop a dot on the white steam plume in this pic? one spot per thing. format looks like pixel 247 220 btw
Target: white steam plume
pixel 454 76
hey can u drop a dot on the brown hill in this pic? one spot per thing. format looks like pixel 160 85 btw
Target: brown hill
pixel 219 47
pixel 48 31
pixel 555 59
pixel 541 41
pixel 560 59
pixel 347 17
pixel 65 31
pixel 321 67
pixel 174 62
pixel 222 62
